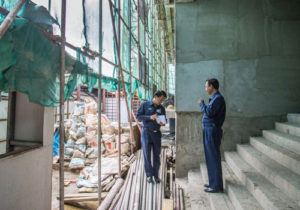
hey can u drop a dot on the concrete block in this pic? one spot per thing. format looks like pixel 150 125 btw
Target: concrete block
pixel 294 118
pixel 281 155
pixel 217 200
pixel 289 128
pixel 280 176
pixel 268 196
pixel 189 144
pixel 287 141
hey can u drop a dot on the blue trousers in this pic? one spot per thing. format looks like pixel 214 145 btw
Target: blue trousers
pixel 212 136
pixel 151 142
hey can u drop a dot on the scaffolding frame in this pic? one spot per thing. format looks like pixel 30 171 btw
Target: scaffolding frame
pixel 154 59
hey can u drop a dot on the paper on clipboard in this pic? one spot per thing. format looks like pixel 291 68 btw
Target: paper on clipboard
pixel 161 119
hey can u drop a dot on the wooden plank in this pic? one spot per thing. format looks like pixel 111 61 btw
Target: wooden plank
pixel 167 204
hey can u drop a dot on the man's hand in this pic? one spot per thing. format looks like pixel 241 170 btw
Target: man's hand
pixel 200 101
pixel 153 117
pixel 162 124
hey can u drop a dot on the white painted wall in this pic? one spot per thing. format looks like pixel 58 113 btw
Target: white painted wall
pixel 25 178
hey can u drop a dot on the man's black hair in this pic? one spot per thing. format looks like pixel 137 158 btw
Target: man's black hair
pixel 160 93
pixel 214 82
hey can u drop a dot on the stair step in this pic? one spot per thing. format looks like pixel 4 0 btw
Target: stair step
pixel 217 200
pixel 289 128
pixel 198 198
pixel 294 118
pixel 238 194
pixel 281 155
pixel 285 140
pixel 268 196
pixel 280 176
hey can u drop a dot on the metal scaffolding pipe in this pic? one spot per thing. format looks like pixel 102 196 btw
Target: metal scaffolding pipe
pixel 112 194
pixel 61 105
pixel 120 66
pixel 99 103
pixel 10 17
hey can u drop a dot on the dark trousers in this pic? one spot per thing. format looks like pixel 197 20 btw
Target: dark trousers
pixel 212 136
pixel 151 141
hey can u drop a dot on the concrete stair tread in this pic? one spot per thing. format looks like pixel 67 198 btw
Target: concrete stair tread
pixel 217 200
pixel 277 147
pixel 281 155
pixel 294 117
pixel 273 165
pixel 269 196
pixel 240 197
pixel 292 124
pixel 280 176
pixel 197 196
pixel 288 141
pixel 288 127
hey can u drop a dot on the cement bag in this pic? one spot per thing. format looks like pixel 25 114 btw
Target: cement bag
pixel 125 148
pixel 69 151
pixel 76 163
pixel 90 106
pixel 90 161
pixel 82 140
pixel 81 147
pixel 80 132
pixel 91 139
pixel 108 129
pixel 85 183
pixel 116 127
pixel 124 138
pixel 78 108
pixel 70 143
pixel 78 154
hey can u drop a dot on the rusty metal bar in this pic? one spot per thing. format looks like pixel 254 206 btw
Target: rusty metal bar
pixel 61 105
pixel 118 41
pixel 10 17
pixel 139 48
pixel 130 70
pixel 78 93
pixel 99 102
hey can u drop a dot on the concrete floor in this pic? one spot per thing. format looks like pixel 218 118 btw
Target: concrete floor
pixel 72 188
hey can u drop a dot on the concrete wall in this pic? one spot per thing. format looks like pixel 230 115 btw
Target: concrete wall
pixel 253 49
pixel 25 178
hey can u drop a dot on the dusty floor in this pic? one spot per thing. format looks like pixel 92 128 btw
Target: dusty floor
pixel 72 188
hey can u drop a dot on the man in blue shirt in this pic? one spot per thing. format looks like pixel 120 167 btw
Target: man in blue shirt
pixel 148 112
pixel 213 119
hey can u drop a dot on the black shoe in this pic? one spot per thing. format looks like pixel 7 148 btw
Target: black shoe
pixel 206 185
pixel 149 179
pixel 210 190
pixel 157 180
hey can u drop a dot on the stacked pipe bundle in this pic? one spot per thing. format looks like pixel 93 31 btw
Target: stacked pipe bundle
pixel 137 193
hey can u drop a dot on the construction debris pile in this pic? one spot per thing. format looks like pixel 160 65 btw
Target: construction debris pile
pixel 88 179
pixel 81 132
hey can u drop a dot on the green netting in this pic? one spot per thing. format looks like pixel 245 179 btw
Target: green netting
pixel 29 61
pixel 30 64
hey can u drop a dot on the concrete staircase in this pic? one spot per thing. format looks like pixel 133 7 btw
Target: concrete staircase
pixel 264 174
